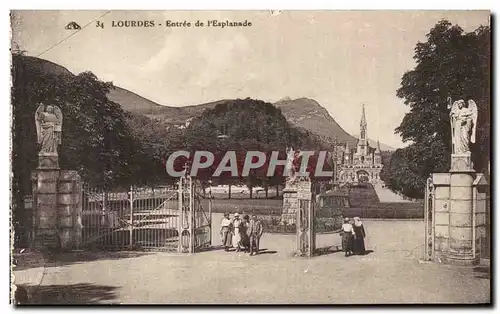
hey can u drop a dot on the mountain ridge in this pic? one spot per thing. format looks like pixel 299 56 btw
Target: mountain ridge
pixel 301 112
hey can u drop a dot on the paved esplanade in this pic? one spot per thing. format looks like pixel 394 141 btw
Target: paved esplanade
pixel 389 274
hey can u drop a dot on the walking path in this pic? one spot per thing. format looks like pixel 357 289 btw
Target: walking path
pixel 391 273
pixel 385 195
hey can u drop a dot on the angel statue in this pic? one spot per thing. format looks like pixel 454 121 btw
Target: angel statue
pixel 48 120
pixel 463 118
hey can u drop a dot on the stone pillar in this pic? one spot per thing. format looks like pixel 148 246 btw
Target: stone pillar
pixel 481 222
pixel 45 214
pixel 56 209
pixel 69 209
pixel 440 217
pixel 290 205
pixel 461 211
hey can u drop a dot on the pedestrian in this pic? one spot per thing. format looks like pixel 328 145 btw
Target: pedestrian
pixel 245 239
pixel 226 232
pixel 347 234
pixel 237 222
pixel 254 233
pixel 359 237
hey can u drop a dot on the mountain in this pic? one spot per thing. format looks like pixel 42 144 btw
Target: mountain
pixel 310 115
pixel 302 112
pixel 37 65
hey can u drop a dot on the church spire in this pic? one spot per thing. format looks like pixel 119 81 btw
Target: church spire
pixel 378 146
pixel 363 123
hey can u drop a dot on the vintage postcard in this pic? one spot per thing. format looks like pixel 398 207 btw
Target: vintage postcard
pixel 250 157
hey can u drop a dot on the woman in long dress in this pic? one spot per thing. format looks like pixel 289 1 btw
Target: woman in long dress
pixel 347 234
pixel 245 240
pixel 226 232
pixel 237 222
pixel 359 237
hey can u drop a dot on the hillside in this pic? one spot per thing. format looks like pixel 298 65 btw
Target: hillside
pixel 309 114
pixel 37 65
pixel 140 105
pixel 302 112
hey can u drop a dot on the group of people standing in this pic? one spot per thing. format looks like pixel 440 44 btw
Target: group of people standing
pixel 353 237
pixel 241 234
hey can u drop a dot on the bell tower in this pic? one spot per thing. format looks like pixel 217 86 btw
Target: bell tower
pixel 363 124
pixel 362 148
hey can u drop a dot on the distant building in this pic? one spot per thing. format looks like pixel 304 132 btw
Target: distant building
pixel 361 163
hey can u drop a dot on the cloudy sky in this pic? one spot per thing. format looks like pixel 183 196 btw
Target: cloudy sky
pixel 342 59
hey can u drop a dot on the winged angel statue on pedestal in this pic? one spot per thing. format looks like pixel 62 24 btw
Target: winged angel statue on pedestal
pixel 463 118
pixel 48 120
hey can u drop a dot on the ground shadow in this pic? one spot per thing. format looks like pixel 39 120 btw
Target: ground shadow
pixel 334 249
pixel 482 272
pixel 82 293
pixel 367 252
pixel 327 250
pixel 266 251
pixel 210 248
pixel 52 259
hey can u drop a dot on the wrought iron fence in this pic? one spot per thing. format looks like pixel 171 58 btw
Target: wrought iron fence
pixel 144 218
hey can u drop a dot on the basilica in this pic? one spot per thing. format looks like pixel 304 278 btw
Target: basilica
pixel 361 163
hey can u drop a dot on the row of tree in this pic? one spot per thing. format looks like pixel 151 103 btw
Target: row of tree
pixel 451 63
pixel 239 125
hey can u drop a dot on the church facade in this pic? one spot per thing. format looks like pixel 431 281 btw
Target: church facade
pixel 361 163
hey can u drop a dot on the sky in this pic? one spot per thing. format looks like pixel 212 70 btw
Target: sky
pixel 342 59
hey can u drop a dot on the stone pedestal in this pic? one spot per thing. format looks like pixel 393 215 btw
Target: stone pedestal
pixel 461 211
pixel 56 209
pixel 457 214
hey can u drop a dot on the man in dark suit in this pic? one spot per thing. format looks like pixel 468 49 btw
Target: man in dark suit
pixel 254 232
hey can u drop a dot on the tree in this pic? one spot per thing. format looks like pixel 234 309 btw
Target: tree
pixel 96 141
pixel 244 125
pixel 451 63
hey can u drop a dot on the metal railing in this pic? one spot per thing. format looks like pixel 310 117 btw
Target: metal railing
pixel 137 218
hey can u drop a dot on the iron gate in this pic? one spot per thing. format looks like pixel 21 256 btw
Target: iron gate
pixel 160 219
pixel 196 227
pixel 428 220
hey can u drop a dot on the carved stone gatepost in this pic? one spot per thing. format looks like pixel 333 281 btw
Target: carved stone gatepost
pixel 459 200
pixel 440 238
pixel 480 217
pixel 290 204
pixel 306 233
pixel 57 209
pixel 459 222
pixel 45 213
pixel 461 211
pixel 57 204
